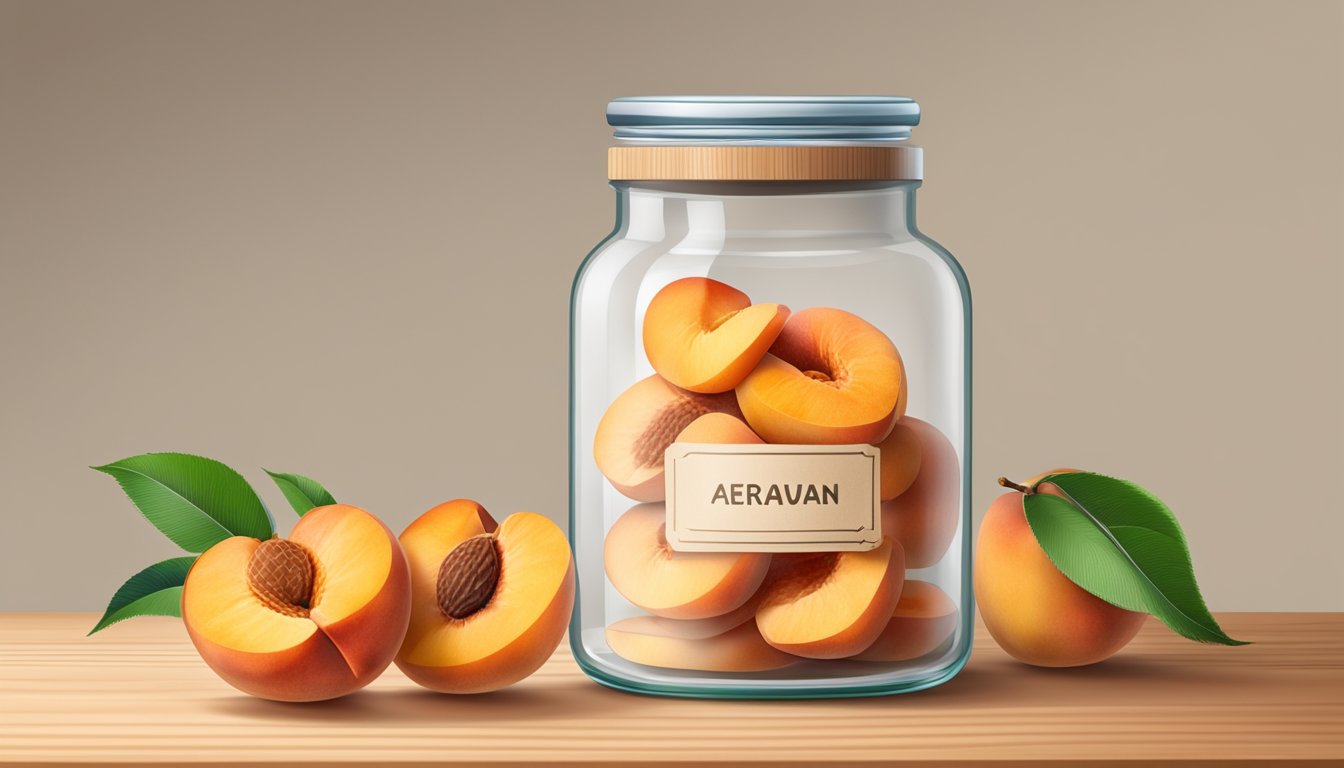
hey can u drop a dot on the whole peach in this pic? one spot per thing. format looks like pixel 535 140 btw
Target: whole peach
pixel 1033 611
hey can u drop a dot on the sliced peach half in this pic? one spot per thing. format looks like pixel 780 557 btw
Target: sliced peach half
pixel 489 604
pixel 924 518
pixel 900 456
pixel 925 617
pixel 706 336
pixel 830 378
pixel 740 649
pixel 311 617
pixel 830 605
pixel 676 585
pixel 644 420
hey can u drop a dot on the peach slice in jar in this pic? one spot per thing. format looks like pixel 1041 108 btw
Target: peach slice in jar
pixel 706 336
pixel 830 378
pixel 489 603
pixel 740 649
pixel 830 605
pixel 900 456
pixel 924 518
pixel 690 629
pixel 924 618
pixel 311 617
pixel 645 419
pixel 677 585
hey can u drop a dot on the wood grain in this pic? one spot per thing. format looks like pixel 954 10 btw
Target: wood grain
pixel 763 163
pixel 137 693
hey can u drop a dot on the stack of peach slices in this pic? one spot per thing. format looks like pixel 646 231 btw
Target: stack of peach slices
pixel 460 603
pixel 732 372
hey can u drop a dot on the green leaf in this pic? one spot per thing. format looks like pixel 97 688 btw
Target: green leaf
pixel 195 501
pixel 303 493
pixel 1119 542
pixel 155 591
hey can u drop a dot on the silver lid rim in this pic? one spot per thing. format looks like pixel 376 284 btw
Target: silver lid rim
pixel 763 118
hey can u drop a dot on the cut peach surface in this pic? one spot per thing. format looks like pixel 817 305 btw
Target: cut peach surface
pixel 924 518
pixel 833 604
pixel 519 621
pixel 830 378
pixel 706 336
pixel 644 420
pixel 738 650
pixel 342 639
pixel 924 618
pixel 900 454
pixel 676 585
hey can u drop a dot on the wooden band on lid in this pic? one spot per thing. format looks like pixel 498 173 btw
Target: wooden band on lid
pixel 764 163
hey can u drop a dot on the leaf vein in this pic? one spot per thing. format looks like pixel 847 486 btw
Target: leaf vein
pixel 1106 531
pixel 174 492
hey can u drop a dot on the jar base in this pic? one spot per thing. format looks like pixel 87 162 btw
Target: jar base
pixel 611 671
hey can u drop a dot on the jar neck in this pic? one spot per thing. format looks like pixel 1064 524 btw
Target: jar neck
pixel 654 211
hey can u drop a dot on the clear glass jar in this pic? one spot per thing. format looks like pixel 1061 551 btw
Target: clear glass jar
pixel 770 408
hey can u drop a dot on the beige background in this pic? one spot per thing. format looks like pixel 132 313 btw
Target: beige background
pixel 338 239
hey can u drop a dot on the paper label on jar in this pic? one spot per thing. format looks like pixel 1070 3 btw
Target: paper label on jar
pixel 772 498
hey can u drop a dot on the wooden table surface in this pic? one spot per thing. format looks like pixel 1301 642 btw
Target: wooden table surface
pixel 138 693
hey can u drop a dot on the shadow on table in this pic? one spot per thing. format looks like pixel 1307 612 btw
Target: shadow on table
pixel 1000 682
pixel 577 699
pixel 1121 680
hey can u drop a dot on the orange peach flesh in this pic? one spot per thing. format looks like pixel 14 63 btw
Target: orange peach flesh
pixel 924 518
pixel 832 605
pixel 830 378
pixel 706 336
pixel 677 585
pixel 900 455
pixel 639 426
pixel 356 621
pixel 521 625
pixel 924 618
pixel 349 604
pixel 738 650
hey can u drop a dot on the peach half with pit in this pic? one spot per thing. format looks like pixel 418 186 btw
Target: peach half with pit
pixel 830 378
pixel 648 417
pixel 706 336
pixel 489 603
pixel 643 567
pixel 312 617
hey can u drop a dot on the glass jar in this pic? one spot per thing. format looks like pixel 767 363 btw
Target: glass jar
pixel 769 408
